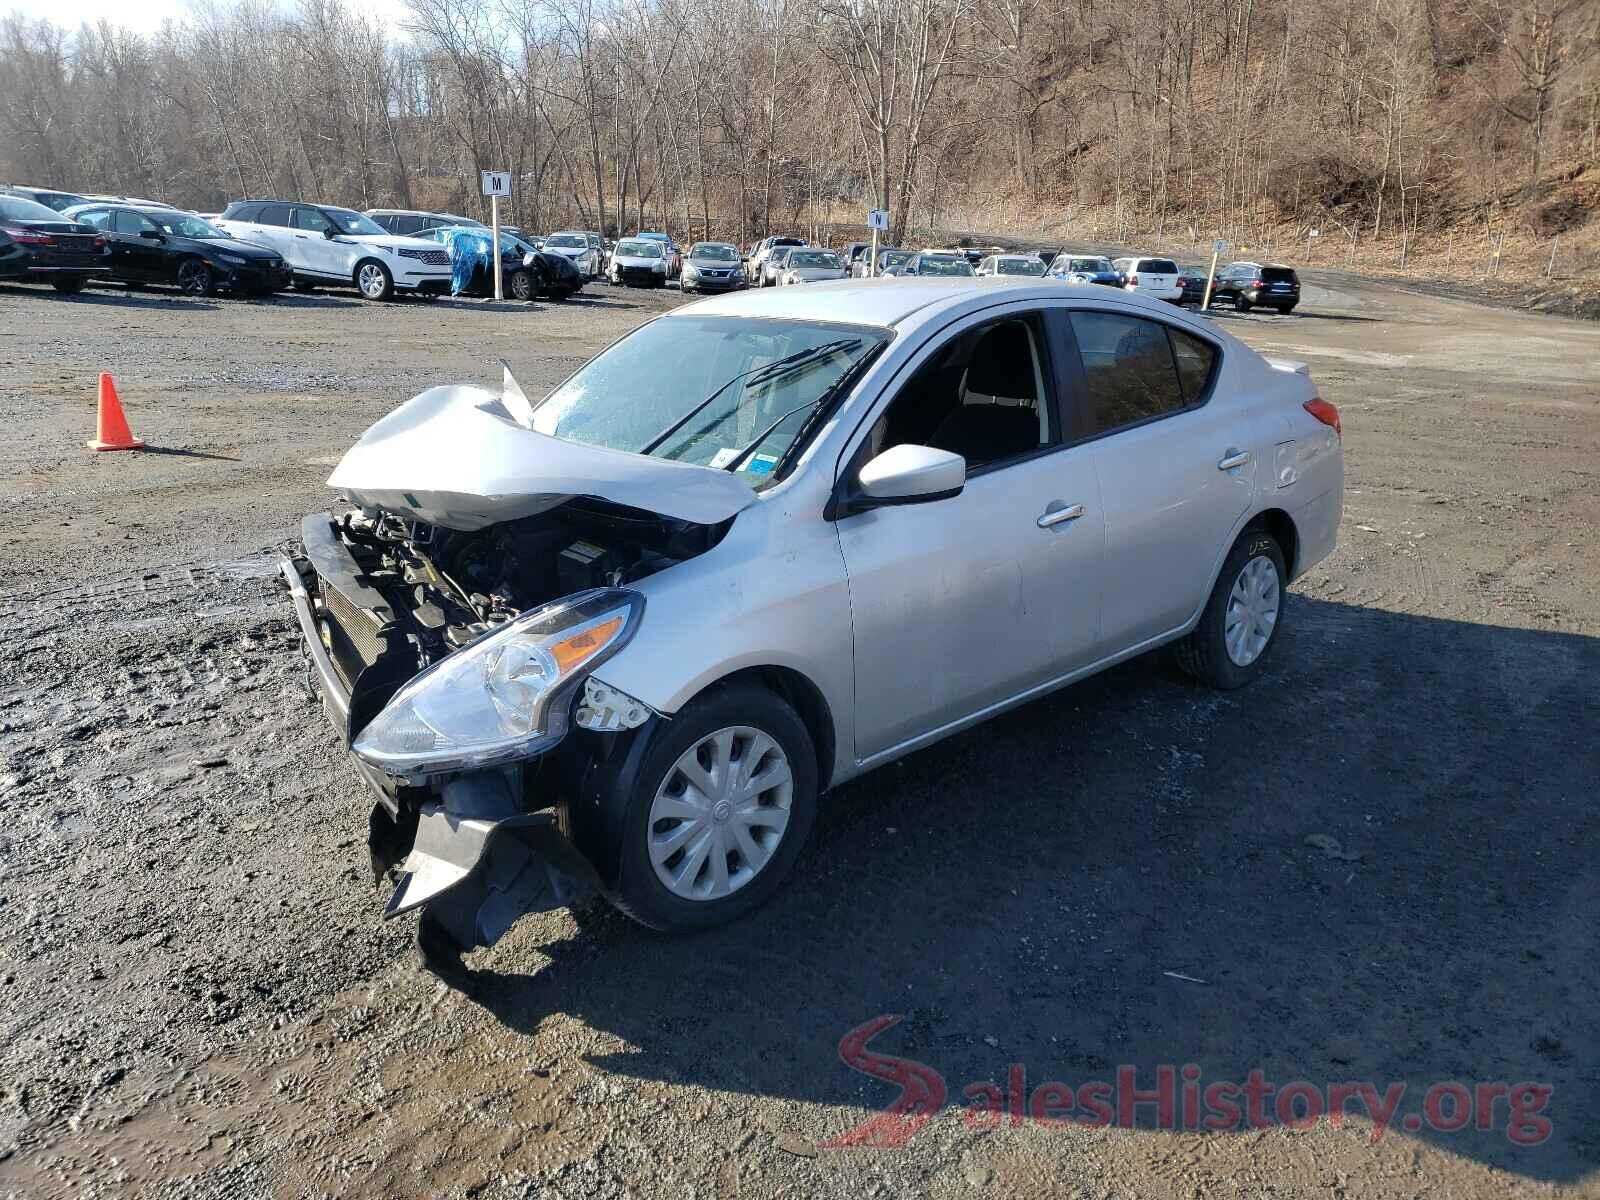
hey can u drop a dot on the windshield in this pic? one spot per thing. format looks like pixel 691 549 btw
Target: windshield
pixel 714 252
pixel 813 258
pixel 352 222
pixel 892 258
pixel 572 241
pixel 15 208
pixel 638 249
pixel 944 266
pixel 722 392
pixel 185 225
pixel 1020 266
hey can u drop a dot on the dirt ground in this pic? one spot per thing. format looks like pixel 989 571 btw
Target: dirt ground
pixel 1377 864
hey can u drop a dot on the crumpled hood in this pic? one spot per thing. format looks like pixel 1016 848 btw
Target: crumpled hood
pixel 464 458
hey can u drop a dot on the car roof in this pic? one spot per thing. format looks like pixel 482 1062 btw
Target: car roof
pixel 902 303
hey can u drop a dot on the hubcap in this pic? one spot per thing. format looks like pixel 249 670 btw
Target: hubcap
pixel 720 813
pixel 192 277
pixel 372 280
pixel 1252 611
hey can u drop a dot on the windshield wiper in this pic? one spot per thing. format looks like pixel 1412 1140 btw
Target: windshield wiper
pixel 766 371
pixel 845 377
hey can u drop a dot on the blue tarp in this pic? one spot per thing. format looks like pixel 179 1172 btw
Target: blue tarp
pixel 469 254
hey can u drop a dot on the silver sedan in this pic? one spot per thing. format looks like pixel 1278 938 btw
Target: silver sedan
pixel 622 637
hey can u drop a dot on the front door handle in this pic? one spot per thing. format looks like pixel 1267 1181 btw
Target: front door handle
pixel 1055 516
pixel 1234 458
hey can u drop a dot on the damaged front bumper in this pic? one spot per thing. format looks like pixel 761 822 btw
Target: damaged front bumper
pixel 466 846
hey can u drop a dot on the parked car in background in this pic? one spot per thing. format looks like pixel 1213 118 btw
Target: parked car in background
pixel 411 222
pixel 854 255
pixel 1193 279
pixel 583 248
pixel 712 267
pixel 521 267
pixel 674 256
pixel 329 246
pixel 162 245
pixel 562 279
pixel 1025 265
pixel 51 198
pixel 1248 284
pixel 937 262
pixel 135 201
pixel 40 245
pixel 639 262
pixel 1085 268
pixel 772 265
pixel 1154 277
pixel 634 629
pixel 756 265
pixel 811 264
pixel 891 261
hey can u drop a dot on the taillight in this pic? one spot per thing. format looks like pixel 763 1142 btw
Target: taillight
pixel 100 243
pixel 1258 283
pixel 27 237
pixel 1133 281
pixel 1178 282
pixel 1326 413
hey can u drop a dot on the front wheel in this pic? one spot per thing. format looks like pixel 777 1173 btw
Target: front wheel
pixel 304 285
pixel 1240 624
pixel 374 281
pixel 719 811
pixel 195 278
pixel 521 285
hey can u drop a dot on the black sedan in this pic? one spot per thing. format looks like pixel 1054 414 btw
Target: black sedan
pixel 525 272
pixel 153 244
pixel 40 244
pixel 1193 282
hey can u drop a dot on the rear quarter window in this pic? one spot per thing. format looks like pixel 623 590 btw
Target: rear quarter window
pixel 242 212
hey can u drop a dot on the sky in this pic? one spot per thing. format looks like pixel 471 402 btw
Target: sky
pixel 146 16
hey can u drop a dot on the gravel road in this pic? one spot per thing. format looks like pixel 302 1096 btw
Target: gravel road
pixel 1377 864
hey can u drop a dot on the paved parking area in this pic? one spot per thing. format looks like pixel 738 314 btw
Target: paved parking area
pixel 1374 867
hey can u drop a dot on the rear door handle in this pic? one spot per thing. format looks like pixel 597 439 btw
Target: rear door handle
pixel 1056 516
pixel 1234 458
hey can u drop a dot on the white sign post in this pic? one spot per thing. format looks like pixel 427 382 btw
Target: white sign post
pixel 1218 249
pixel 495 185
pixel 1311 233
pixel 877 221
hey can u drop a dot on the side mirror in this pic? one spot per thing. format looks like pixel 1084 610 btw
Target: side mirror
pixel 152 235
pixel 908 474
pixel 330 233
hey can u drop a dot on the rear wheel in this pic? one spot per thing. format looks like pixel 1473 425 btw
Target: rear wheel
pixel 1286 309
pixel 69 284
pixel 195 278
pixel 1240 302
pixel 719 811
pixel 374 281
pixel 1239 627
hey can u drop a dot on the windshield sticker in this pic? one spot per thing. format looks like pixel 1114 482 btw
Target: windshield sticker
pixel 723 457
pixel 762 464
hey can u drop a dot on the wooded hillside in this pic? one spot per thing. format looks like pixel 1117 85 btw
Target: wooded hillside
pixel 1382 123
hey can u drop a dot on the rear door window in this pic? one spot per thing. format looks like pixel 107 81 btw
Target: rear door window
pixel 273 214
pixel 1130 373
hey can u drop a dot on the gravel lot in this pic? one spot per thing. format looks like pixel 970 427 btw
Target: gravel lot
pixel 1379 860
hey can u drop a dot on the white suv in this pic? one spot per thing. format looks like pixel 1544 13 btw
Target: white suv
pixel 340 247
pixel 1157 278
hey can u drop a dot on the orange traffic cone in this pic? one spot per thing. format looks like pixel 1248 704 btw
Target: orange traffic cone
pixel 112 432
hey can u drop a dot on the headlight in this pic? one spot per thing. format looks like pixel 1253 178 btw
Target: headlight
pixel 529 259
pixel 791 277
pixel 659 265
pixel 689 269
pixel 504 696
pixel 233 260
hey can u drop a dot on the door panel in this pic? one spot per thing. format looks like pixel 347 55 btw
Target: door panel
pixel 963 603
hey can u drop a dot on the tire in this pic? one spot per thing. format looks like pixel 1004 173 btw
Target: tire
pixel 304 285
pixel 1285 309
pixel 1240 303
pixel 372 280
pixel 195 278
pixel 521 285
pixel 70 285
pixel 760 723
pixel 1206 653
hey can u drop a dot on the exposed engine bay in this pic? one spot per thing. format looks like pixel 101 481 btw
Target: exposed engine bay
pixel 447 588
